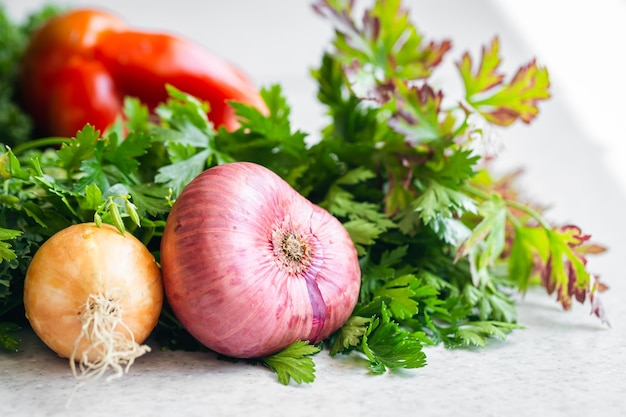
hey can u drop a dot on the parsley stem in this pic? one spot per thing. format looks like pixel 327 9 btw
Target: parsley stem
pixel 530 211
pixel 40 143
pixel 513 220
pixel 510 203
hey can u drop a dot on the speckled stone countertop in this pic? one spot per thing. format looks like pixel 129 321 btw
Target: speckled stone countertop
pixel 561 364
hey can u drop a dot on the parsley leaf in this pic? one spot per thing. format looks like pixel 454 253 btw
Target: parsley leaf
pixel 83 147
pixel 176 176
pixel 437 207
pixel 269 139
pixel 349 335
pixel 387 346
pixel 6 252
pixel 8 337
pixel 294 363
pixel 476 333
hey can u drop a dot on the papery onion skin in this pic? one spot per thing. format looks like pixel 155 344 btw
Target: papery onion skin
pixel 83 260
pixel 224 267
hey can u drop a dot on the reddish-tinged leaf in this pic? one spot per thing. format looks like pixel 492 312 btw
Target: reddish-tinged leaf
pixel 417 117
pixel 503 104
pixel 592 249
pixel 434 53
pixel 501 116
pixel 574 284
pixel 485 77
pixel 546 277
pixel 400 193
pixel 596 305
pixel 520 96
pixel 383 45
pixel 573 235
pixel 566 269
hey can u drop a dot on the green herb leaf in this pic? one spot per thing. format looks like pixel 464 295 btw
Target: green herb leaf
pixel 387 346
pixel 349 335
pixel 528 243
pixel 177 176
pixel 476 333
pixel 6 251
pixel 437 207
pixel 503 104
pixel 385 46
pixel 294 363
pixel 8 337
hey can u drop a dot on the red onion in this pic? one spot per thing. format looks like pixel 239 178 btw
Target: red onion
pixel 250 266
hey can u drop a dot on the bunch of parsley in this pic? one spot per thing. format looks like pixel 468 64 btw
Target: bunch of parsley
pixel 443 245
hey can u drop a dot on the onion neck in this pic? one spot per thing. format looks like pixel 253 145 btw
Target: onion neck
pixel 302 256
pixel 292 250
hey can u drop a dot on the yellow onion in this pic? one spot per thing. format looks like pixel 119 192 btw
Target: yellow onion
pixel 250 266
pixel 94 295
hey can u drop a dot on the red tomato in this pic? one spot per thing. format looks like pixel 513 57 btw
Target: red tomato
pixel 79 66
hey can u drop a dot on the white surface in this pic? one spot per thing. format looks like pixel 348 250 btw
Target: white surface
pixel 563 364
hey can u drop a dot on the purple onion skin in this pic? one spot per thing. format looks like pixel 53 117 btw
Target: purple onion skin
pixel 250 266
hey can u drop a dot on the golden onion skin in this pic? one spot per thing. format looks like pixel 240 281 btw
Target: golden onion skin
pixel 84 260
pixel 250 266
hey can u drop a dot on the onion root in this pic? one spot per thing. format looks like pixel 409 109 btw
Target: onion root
pixel 101 319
